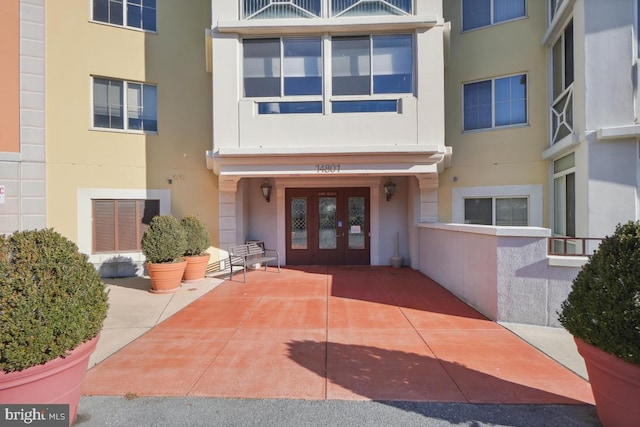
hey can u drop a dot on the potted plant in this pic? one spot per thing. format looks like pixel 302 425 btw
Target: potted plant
pixel 602 312
pixel 52 307
pixel 197 243
pixel 163 244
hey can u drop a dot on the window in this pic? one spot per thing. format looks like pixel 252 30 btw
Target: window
pixel 500 211
pixel 564 189
pixel 482 13
pixel 138 111
pixel 495 103
pixel 136 13
pixel 284 68
pixel 289 70
pixel 372 65
pixel 562 76
pixel 118 225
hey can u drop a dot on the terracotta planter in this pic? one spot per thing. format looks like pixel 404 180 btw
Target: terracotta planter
pixel 196 268
pixel 58 381
pixel 615 384
pixel 166 277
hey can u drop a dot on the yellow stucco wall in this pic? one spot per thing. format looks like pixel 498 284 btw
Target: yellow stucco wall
pixel 174 60
pixel 496 157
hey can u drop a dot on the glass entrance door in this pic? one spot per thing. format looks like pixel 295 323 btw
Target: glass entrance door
pixel 328 226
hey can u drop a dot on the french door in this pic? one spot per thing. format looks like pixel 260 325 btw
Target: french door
pixel 327 226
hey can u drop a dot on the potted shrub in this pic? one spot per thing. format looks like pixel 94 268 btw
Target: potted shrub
pixel 163 244
pixel 197 244
pixel 602 312
pixel 52 307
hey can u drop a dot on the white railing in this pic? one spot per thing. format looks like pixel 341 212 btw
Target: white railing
pixel 562 115
pixel 273 9
pixel 370 7
pixel 278 9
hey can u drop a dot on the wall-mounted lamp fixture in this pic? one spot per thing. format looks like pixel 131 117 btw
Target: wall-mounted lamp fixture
pixel 266 190
pixel 389 189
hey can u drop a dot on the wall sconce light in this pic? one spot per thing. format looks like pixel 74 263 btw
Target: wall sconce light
pixel 389 189
pixel 266 190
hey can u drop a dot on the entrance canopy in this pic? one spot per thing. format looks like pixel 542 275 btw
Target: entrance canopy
pixel 232 164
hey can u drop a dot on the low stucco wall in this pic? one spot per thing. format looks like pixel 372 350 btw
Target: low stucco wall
pixel 503 272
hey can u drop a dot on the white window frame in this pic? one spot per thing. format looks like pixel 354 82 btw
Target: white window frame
pixel 492 21
pixel 561 175
pixel 125 111
pixel 85 213
pixel 124 18
pixel 494 208
pixel 493 103
pixel 557 110
pixel 326 97
pixel 534 194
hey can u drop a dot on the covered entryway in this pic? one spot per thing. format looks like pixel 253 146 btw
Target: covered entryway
pixel 327 226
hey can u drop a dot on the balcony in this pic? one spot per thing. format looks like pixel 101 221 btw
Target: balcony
pixel 283 9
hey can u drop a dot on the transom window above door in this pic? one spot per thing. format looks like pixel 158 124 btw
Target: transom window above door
pixel 283 9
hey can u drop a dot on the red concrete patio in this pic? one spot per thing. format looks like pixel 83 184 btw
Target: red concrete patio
pixel 363 333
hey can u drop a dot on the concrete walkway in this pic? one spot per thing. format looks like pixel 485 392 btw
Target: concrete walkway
pixel 371 316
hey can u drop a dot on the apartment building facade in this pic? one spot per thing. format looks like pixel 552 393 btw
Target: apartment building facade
pixel 593 147
pixel 128 113
pixel 359 121
pixel 556 144
pixel 337 110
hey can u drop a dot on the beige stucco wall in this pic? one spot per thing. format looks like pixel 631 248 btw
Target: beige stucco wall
pixel 496 157
pixel 79 157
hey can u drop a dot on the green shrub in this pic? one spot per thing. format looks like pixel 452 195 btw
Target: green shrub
pixel 603 307
pixel 164 240
pixel 51 298
pixel 197 235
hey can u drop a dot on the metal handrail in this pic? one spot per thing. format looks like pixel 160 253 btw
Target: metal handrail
pixel 570 245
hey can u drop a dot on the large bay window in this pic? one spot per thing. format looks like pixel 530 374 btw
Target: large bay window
pixel 368 73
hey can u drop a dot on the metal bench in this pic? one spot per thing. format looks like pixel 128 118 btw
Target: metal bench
pixel 250 254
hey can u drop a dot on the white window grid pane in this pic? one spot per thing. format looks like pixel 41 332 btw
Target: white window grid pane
pixel 134 100
pixel 483 13
pixel 506 10
pixel 119 11
pixel 506 106
pixel 139 103
pixel 512 211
